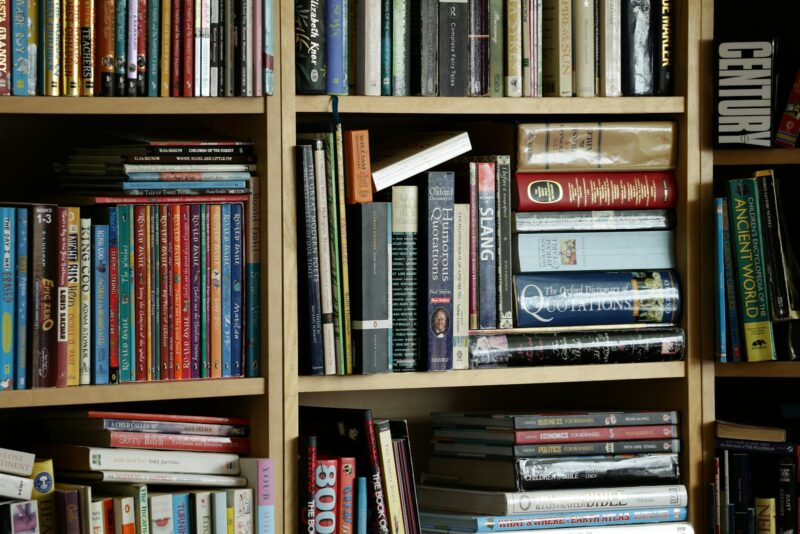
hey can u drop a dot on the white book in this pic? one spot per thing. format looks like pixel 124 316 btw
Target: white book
pixel 584 27
pixel 161 519
pixel 324 244
pixel 248 47
pixel 401 53
pixel 513 65
pixel 652 528
pixel 15 487
pixel 96 522
pixel 80 458
pixel 368 48
pixel 525 16
pixel 594 251
pixel 535 21
pixel 406 158
pixel 198 47
pixel 461 286
pixel 205 46
pixel 219 512
pixel 85 249
pixel 610 48
pixel 241 500
pixel 124 516
pixel 201 511
pixel 214 65
pixel 149 477
pixel 16 462
pixel 557 47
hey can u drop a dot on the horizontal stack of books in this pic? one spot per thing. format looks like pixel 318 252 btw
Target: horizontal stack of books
pixel 192 461
pixel 356 473
pixel 110 48
pixel 489 472
pixel 18 511
pixel 495 48
pixel 131 287
pixel 757 282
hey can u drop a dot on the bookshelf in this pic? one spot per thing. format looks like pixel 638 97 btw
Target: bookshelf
pixel 412 396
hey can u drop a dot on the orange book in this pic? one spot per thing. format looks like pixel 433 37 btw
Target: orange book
pixel 177 293
pixel 124 515
pixel 358 170
pixel 215 306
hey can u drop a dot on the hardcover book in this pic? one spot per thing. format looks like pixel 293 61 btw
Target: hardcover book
pixel 405 287
pixel 453 47
pixel 578 221
pixel 637 47
pixel 310 46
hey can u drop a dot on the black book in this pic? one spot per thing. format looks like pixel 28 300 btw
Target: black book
pixel 664 31
pixel 637 47
pixel 307 452
pixel 786 499
pixel 309 294
pixel 310 48
pixel 453 48
pixel 478 48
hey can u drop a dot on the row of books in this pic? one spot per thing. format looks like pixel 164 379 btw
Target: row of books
pixel 494 48
pixel 515 457
pixel 356 473
pixel 756 286
pixel 137 48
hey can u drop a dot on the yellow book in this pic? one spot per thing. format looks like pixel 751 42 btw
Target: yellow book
pixel 70 48
pixel 765 515
pixel 166 38
pixel 43 488
pixel 215 306
pixel 73 296
pixel 177 299
pixel 391 484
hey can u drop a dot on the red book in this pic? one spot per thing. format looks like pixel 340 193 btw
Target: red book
pixel 186 294
pixel 6 44
pixel 104 66
pixel 326 494
pixel 594 191
pixel 307 450
pixel 140 254
pixel 187 55
pixel 62 311
pixel 175 71
pixel 177 293
pixel 164 276
pixel 580 435
pixel 172 442
pixel 790 120
pixel 174 418
pixel 108 514
pixel 113 304
pixel 347 491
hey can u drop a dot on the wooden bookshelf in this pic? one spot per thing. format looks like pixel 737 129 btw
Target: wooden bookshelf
pixel 758 370
pixel 52 105
pixel 757 156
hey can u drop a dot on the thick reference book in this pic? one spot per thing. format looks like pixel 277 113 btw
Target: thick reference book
pixel 370 226
pixel 595 220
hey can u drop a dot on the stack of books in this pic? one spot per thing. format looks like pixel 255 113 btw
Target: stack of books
pixel 488 471
pixel 107 463
pixel 497 48
pixel 154 277
pixel 356 473
pixel 18 512
pixel 757 282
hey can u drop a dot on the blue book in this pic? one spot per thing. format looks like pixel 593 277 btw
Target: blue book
pixel 100 290
pixel 125 293
pixel 153 46
pixel 571 299
pixel 386 47
pixel 132 296
pixel 22 270
pixel 113 305
pixel 226 290
pixel 253 318
pixel 237 249
pixel 209 184
pixel 361 503
pixel 23 74
pixel 181 513
pixel 205 357
pixel 733 342
pixel 336 47
pixel 8 262
pixel 269 47
pixel 719 281
pixel 526 522
pixel 219 514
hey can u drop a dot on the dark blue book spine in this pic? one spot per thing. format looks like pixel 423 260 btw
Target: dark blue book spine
pixel 766 447
pixel 153 46
pixel 8 263
pixel 236 290
pixel 309 303
pixel 487 244
pixel 570 299
pixel 226 290
pixel 113 296
pixel 336 21
pixel 386 47
pixel 22 270
pixel 125 292
pixel 361 502
pixel 252 282
pixel 100 289
pixel 787 498
pixel 720 336
pixel 740 481
pixel 734 338
pixel 437 293
pixel 194 304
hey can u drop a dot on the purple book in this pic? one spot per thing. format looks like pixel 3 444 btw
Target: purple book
pixel 68 513
pixel 237 245
pixel 207 286
pixel 194 266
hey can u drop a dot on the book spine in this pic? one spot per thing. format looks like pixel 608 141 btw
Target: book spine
pixel 394 508
pixel 62 297
pixel 359 174
pixel 132 47
pixel 326 493
pixel 595 191
pixel 310 51
pixel 786 498
pixel 505 293
pixel 114 324
pixel 336 46
pixel 22 294
pixel 513 72
pixel 153 52
pixel 309 265
pixel 268 37
pixel 597 298
pixel 732 310
pixel 165 61
pixel 437 291
pixel 590 519
pixel 215 309
pixel 347 495
pixel 226 290
pixel 256 59
pixel 68 518
pixel 562 349
pixel 324 241
pixel 487 245
pixel 87 47
pixel 743 445
pixel 496 48
pixel 228 21
pixel 154 293
pixel 72 334
pixel 583 25
pixel 405 340
pixel 140 296
pixel 70 47
pixel 580 435
pixel 478 48
pixel 368 64
pixel 165 300
pixel 219 513
pixel 252 260
pixel 751 280
pixel 100 305
pixel 765 515
pixel 187 48
pixel 426 17
pixel 120 46
pixel 126 333
pixel 214 48
pixel 535 21
pixel 637 48
pixel 345 274
pixel 44 255
pixel 194 284
pixel 401 45
pixel 198 47
pixel 205 291
pixel 610 48
pixel 85 308
pixel 525 53
pixel 176 283
pixel 307 449
pixel 598 447
pixel 178 442
pixel 161 518
pixel 20 64
pixel 777 277
pixel 786 136
pixel 473 251
pixel 181 513
pixel 176 46
pixel 361 511
pixel 185 332
pixel 453 37
pixel 564 50
pixel 386 47
pixel 664 30
pixel 562 221
pixel 461 286
pixel 101 459
pixel 8 221
pixel 720 321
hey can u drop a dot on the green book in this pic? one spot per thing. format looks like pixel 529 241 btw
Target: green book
pixel 496 47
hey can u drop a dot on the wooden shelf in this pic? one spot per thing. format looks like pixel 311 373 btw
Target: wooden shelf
pixel 491 106
pixel 758 370
pixel 757 156
pixel 64 105
pixel 133 392
pixel 493 377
